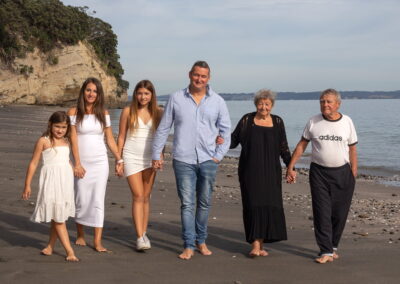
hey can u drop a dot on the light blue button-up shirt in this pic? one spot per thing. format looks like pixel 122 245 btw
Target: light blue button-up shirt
pixel 196 127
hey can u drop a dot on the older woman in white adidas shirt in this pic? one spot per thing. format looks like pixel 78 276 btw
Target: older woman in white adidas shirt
pixel 332 171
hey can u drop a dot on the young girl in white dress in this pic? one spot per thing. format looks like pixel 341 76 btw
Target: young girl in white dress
pixel 55 201
pixel 137 126
pixel 90 123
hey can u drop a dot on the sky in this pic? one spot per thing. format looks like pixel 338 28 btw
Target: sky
pixel 283 45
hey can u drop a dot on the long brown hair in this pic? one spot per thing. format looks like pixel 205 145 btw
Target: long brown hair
pixel 154 110
pixel 98 106
pixel 57 117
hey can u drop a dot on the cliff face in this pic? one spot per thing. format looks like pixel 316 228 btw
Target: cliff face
pixel 57 84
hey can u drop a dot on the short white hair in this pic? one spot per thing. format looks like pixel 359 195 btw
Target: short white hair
pixel 264 94
pixel 331 92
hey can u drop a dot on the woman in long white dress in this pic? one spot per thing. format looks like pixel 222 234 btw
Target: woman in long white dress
pixel 90 122
pixel 138 122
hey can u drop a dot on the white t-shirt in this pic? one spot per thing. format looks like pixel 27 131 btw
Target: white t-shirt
pixel 330 140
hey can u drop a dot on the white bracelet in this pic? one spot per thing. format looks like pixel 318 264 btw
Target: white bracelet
pixel 120 161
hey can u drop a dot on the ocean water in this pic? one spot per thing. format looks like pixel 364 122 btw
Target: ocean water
pixel 376 121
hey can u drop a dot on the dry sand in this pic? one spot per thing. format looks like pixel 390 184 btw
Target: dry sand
pixel 370 246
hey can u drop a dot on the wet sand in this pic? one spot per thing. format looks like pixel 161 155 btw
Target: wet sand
pixel 369 250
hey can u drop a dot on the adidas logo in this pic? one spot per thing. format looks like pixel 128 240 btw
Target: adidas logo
pixel 330 137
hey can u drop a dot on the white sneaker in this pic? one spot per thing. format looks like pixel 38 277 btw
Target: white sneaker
pixel 141 244
pixel 146 239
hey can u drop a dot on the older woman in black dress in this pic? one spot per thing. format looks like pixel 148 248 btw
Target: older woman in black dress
pixel 263 139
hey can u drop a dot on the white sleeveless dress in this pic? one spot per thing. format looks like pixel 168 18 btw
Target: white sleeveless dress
pixel 138 148
pixel 91 189
pixel 55 200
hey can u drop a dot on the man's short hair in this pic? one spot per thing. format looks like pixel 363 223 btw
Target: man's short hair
pixel 201 64
pixel 331 92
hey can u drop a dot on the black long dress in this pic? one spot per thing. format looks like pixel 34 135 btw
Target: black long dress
pixel 260 177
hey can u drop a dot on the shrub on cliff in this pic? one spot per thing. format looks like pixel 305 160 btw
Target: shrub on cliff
pixel 46 24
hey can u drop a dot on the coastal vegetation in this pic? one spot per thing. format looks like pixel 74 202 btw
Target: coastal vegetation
pixel 48 24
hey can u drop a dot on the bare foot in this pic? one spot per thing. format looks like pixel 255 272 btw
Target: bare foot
pixel 335 255
pixel 186 254
pixel 203 249
pixel 263 252
pixel 47 251
pixel 254 252
pixel 80 242
pixel 256 248
pixel 324 259
pixel 72 258
pixel 100 248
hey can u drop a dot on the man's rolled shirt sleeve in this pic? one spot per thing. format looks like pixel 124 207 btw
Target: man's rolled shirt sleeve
pixel 224 126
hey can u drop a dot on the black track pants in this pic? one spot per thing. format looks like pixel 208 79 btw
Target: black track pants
pixel 331 190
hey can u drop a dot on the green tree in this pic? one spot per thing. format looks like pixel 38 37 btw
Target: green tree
pixel 47 24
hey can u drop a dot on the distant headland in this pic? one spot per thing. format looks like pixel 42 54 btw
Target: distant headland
pixel 309 95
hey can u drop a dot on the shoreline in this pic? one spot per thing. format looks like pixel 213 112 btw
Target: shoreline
pixel 378 179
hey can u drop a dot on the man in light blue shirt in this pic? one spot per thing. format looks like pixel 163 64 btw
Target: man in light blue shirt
pixel 199 115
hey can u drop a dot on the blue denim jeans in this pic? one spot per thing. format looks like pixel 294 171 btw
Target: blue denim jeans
pixel 194 183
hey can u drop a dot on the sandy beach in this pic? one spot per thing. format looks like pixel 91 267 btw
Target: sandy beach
pixel 369 250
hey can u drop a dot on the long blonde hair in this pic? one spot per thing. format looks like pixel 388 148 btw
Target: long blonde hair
pixel 154 110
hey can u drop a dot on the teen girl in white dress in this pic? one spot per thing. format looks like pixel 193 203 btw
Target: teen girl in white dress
pixel 90 123
pixel 137 126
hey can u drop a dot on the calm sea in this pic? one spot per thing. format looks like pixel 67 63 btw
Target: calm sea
pixel 376 122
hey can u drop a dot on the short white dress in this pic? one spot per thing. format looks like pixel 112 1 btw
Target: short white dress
pixel 55 200
pixel 90 190
pixel 138 148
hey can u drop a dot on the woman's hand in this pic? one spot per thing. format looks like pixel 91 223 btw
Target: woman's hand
pixel 119 169
pixel 79 171
pixel 158 164
pixel 27 193
pixel 219 140
pixel 291 176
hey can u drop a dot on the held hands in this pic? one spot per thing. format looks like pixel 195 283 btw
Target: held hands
pixel 158 164
pixel 26 194
pixel 119 169
pixel 79 171
pixel 219 140
pixel 291 176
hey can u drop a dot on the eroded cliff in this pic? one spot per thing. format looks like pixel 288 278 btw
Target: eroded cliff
pixel 57 83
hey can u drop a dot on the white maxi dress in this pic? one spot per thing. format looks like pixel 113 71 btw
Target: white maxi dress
pixel 138 148
pixel 91 189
